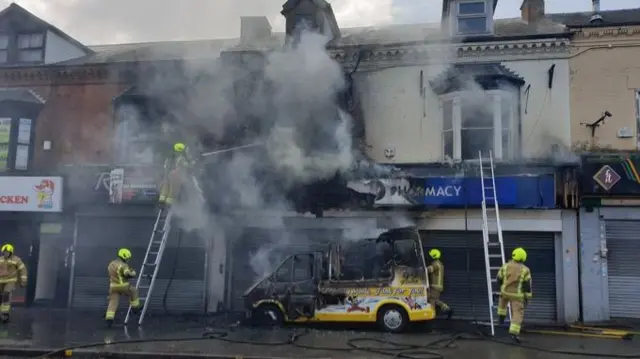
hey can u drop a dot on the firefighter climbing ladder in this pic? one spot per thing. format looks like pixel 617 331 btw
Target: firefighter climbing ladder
pixel 149 270
pixel 493 245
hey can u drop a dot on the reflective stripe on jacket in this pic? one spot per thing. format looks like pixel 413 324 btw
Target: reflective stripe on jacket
pixel 436 275
pixel 515 279
pixel 12 270
pixel 119 273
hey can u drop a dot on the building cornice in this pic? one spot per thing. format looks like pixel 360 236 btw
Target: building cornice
pixel 411 54
pixel 378 57
pixel 609 33
pixel 57 75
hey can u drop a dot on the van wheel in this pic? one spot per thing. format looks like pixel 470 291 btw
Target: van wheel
pixel 393 318
pixel 267 315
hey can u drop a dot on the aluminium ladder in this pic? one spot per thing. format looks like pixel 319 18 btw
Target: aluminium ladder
pixel 151 263
pixel 493 245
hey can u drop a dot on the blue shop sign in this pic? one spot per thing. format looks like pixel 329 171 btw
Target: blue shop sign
pixel 511 191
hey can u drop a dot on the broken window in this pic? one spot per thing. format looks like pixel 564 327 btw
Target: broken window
pixel 283 274
pixel 134 144
pixel 302 268
pixel 447 128
pixel 477 125
pixel 474 121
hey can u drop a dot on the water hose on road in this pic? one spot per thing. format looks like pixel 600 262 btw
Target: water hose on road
pixel 378 346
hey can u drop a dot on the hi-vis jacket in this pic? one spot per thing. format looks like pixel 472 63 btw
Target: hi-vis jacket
pixel 436 275
pixel 12 270
pixel 177 161
pixel 119 273
pixel 515 281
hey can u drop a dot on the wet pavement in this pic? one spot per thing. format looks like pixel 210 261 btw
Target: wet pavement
pixel 39 331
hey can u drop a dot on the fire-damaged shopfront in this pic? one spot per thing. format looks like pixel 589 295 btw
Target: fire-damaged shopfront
pixel 240 121
pixel 444 204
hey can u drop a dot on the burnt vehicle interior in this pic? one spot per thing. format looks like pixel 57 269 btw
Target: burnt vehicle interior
pixel 310 281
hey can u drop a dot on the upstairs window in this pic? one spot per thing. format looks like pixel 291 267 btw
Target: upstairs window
pixel 472 17
pixel 4 49
pixel 135 145
pixel 473 122
pixel 30 47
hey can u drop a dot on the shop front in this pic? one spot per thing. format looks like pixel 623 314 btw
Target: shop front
pixel 609 235
pixel 30 220
pixel 100 226
pixel 446 211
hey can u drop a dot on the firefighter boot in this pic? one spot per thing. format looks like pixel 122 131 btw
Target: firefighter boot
pixel 109 323
pixel 502 319
pixel 516 338
pixel 449 313
pixel 5 318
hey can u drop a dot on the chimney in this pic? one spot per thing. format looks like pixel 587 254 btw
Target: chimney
pixel 254 29
pixel 596 17
pixel 532 11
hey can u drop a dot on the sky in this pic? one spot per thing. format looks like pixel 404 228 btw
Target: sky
pixel 119 21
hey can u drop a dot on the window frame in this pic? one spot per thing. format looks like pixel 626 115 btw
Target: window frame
pixel 40 48
pixel 7 49
pixel 126 139
pixel 512 149
pixel 15 144
pixel 637 119
pixel 487 15
pixel 287 262
pixel 309 262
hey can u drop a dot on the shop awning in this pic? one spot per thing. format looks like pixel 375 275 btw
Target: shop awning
pixel 21 95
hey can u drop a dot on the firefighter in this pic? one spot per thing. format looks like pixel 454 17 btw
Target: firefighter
pixel 12 272
pixel 436 283
pixel 119 275
pixel 175 167
pixel 514 279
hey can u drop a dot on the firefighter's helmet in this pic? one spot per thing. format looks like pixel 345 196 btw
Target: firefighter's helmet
pixel 179 147
pixel 435 253
pixel 124 254
pixel 519 255
pixel 7 248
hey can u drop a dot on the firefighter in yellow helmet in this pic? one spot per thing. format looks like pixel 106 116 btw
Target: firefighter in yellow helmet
pixel 436 283
pixel 515 290
pixel 119 275
pixel 12 272
pixel 175 171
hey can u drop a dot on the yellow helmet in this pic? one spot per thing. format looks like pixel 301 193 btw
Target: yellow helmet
pixel 7 248
pixel 435 253
pixel 124 253
pixel 179 147
pixel 519 255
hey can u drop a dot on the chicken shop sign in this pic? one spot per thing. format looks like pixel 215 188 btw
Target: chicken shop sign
pixel 30 194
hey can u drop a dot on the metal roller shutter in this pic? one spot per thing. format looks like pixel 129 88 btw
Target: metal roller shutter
pixel 253 240
pixel 465 278
pixel 99 238
pixel 624 268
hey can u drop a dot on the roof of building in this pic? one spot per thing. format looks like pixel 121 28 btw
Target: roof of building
pixel 609 18
pixel 552 24
pixel 383 35
pixel 34 18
